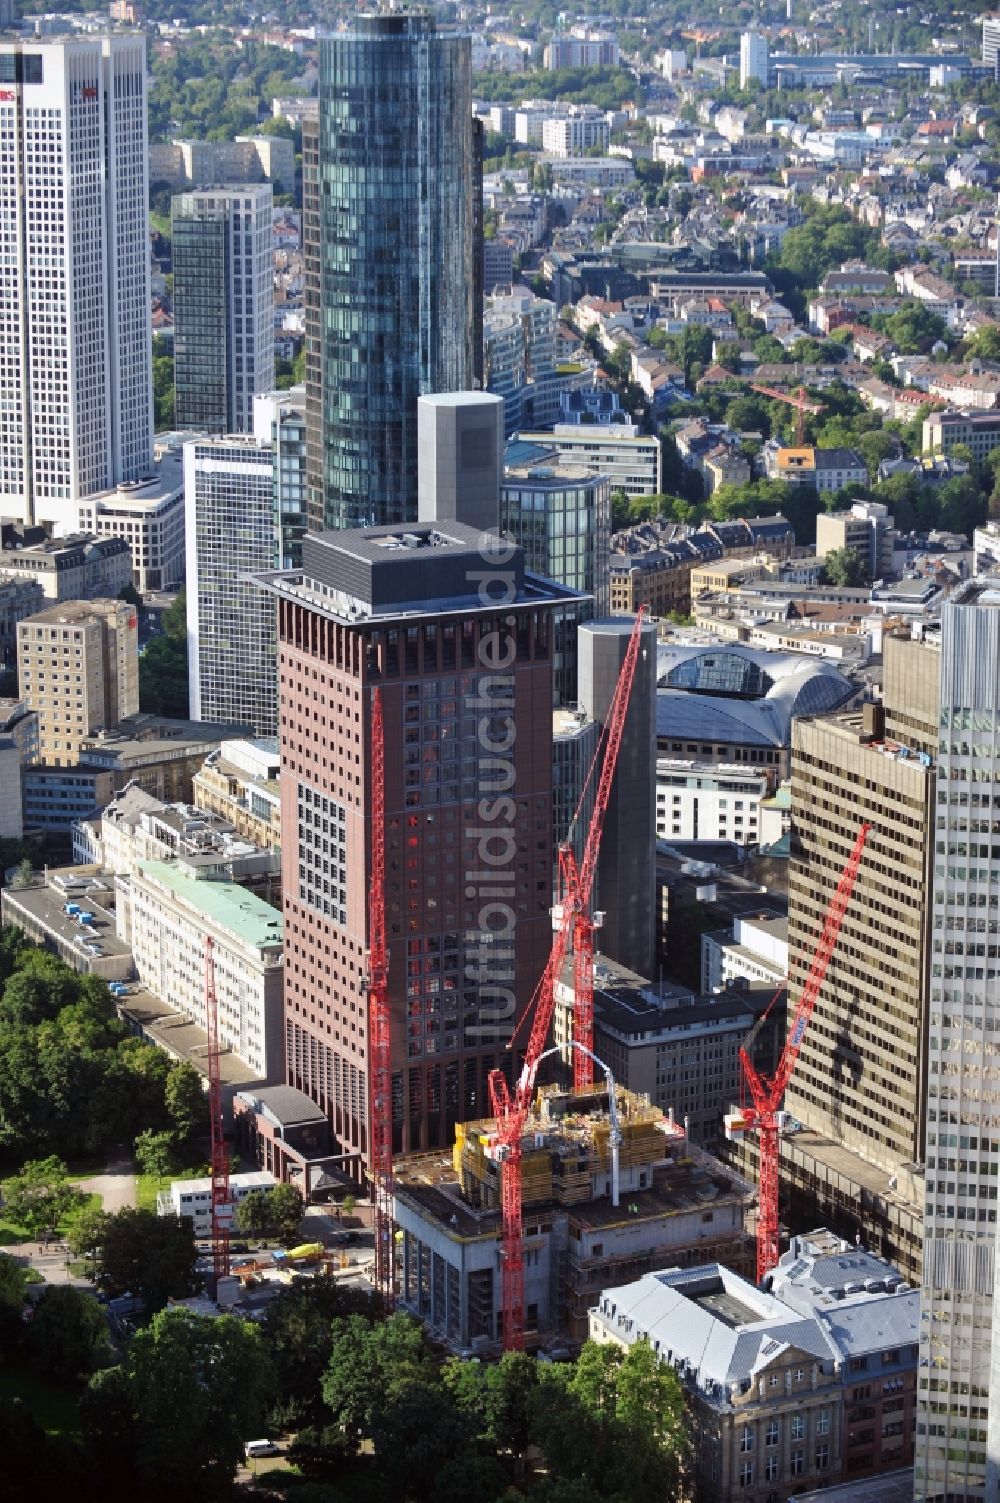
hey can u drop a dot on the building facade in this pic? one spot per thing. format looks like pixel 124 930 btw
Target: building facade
pixel 149 515
pixel 561 516
pixel 78 669
pixel 230 517
pixel 958 1416
pixel 631 461
pixel 390 214
pixel 279 419
pixel 223 306
pixel 463 668
pixel 75 344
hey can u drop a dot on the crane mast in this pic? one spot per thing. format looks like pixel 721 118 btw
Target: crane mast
pixel 767 1091
pixel 572 920
pixel 221 1208
pixel 379 1037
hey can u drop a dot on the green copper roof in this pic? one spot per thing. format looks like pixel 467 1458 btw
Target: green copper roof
pixel 224 904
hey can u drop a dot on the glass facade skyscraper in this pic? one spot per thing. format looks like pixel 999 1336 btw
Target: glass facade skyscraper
pixel 390 243
pixel 958 1396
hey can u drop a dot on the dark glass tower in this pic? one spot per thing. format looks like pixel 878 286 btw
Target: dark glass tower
pixel 390 229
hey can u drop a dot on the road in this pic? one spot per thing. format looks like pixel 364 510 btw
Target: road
pixel 116 1186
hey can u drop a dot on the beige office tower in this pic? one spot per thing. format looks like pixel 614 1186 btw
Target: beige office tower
pixel 860 1086
pixel 78 668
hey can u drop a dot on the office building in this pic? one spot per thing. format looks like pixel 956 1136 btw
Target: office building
pixel 867 529
pixel 229 507
pixel 75 347
pixel 239 782
pixel 209 164
pixel 561 516
pixel 991 40
pixel 430 617
pixel 678 1206
pixel 632 461
pixel 582 48
pixel 79 566
pixel 148 513
pixel 958 1403
pixel 78 669
pixel 574 134
pixel 625 869
pixel 279 419
pixel 166 911
pixel 223 306
pixel 754 54
pixel 18 598
pixel 392 258
pixel 696 801
pixel 460 456
pixel 977 431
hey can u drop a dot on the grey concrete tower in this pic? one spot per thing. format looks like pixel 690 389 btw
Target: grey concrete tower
pixel 626 872
pixel 459 458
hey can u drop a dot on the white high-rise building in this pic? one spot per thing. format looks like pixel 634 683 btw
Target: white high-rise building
pixel 223 306
pixel 754 59
pixel 958 1398
pixel 76 398
pixel 229 504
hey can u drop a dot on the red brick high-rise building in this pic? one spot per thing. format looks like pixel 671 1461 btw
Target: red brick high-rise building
pixel 460 642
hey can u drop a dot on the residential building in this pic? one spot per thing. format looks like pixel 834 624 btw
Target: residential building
pixel 223 306
pixel 867 529
pixel 977 431
pixel 230 511
pixel 575 134
pixel 240 783
pixel 561 516
pixel 520 360
pixel 498 264
pixel 754 59
pixel 412 612
pixel 279 420
pixel 704 802
pixel 75 347
pixel 79 566
pixel 631 461
pixel 211 164
pixel 582 49
pixel 991 40
pixel 19 598
pixel 752 951
pixel 822 469
pixel 166 912
pixel 78 669
pixel 148 513
pixel 677 1206
pixel 390 188
pixel 958 1411
pixel 624 886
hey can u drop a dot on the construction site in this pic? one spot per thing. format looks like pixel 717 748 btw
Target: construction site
pixel 674 1207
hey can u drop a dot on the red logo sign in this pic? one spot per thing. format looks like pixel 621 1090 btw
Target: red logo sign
pixel 7 94
pixel 89 92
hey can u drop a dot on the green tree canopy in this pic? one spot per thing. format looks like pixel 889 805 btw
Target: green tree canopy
pixel 845 567
pixel 40 1196
pixel 67 1336
pixel 147 1255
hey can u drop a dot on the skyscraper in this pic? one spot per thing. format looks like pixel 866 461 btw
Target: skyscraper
pixel 229 506
pixel 223 306
pixel 76 402
pixel 391 254
pixel 958 1397
pixel 459 640
pixel 754 59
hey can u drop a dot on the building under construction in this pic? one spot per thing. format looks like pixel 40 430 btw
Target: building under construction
pixel 676 1207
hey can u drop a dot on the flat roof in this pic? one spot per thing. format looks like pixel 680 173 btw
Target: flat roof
pixel 226 904
pixel 890 1487
pixel 178 1035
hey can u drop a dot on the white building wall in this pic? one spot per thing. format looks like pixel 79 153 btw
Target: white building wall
pixel 695 802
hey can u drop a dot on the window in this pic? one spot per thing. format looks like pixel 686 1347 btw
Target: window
pixel 773 1432
pixel 822 1457
pixel 823 1422
pixel 746 1439
pixel 746 1474
pixel 771 1469
pixel 798 1463
pixel 798 1427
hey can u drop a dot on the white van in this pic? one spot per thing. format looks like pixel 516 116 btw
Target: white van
pixel 261 1448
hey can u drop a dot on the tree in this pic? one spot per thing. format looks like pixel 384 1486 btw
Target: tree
pixel 749 415
pixel 845 567
pixel 147 1255
pixel 13 1291
pixel 110 1433
pixel 154 1153
pixel 510 1389
pixel 88 1231
pixel 199 1389
pixel 253 1215
pixel 368 1366
pixel 415 1436
pixel 349 1203
pixel 40 1196
pixel 25 874
pixel 67 1335
pixel 163 667
pixel 300 1331
pixel 285 1207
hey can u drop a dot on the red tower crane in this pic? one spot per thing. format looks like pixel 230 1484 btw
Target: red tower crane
pixel 379 1043
pixel 221 1205
pixel 511 1112
pixel 767 1092
pixel 800 401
